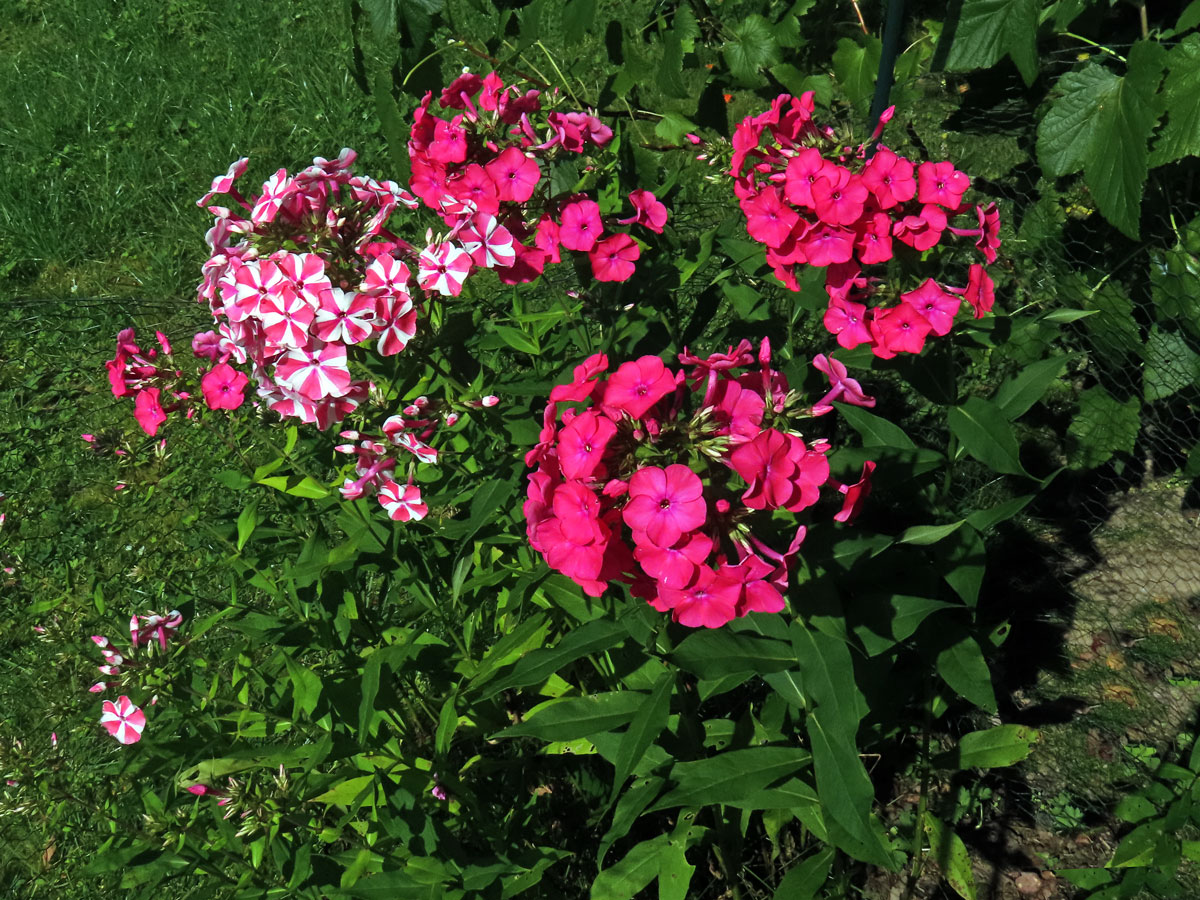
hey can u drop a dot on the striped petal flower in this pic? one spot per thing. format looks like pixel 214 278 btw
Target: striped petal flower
pixel 123 720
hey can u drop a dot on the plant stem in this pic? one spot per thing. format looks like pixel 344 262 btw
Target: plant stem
pixel 1092 43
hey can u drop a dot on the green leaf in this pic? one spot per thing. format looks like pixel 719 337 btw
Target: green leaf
pixel 989 29
pixel 963 667
pixel 306 687
pixel 1017 394
pixel 731 776
pixel 369 689
pixel 577 717
pixel 648 722
pixel 674 871
pixel 846 792
pixel 1135 808
pixel 672 127
pixel 309 487
pixel 1180 136
pixel 987 435
pixel 518 340
pixel 591 637
pixel 1103 426
pixel 992 748
pixel 1137 848
pixel 827 670
pixel 910 612
pixel 856 68
pixel 350 791
pixel 1170 365
pixel 1101 124
pixel 951 855
pixel 636 870
pixel 247 520
pixel 712 654
pixel 804 880
pixel 923 535
pixel 751 48
pixel 875 430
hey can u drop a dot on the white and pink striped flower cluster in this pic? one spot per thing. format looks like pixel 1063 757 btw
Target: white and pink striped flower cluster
pixel 305 271
pixel 121 718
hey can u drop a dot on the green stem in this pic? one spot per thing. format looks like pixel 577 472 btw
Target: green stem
pixel 1091 43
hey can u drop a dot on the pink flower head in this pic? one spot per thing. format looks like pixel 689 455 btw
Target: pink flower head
pixel 665 504
pixel 154 626
pixel 648 211
pixel 937 306
pixel 922 231
pixel 148 411
pixel 989 231
pixel 582 444
pixel 580 226
pixel 223 184
pixel 515 175
pixel 901 329
pixel 637 385
pixel 613 258
pixel 855 495
pixel 278 188
pixel 345 316
pixel 941 183
pixel 781 472
pixel 847 320
pixel 890 178
pixel 402 503
pixel 397 321
pixel 582 385
pixel 801 174
pixel 443 268
pixel 315 373
pixel 842 387
pixel 980 291
pixel 838 196
pixel 675 566
pixel 207 345
pixel 123 720
pixel 709 602
pixel 768 219
pixel 489 243
pixel 224 387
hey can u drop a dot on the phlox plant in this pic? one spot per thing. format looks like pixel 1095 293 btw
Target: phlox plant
pixel 677 617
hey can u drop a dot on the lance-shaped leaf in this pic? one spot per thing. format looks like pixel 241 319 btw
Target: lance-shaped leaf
pixel 578 717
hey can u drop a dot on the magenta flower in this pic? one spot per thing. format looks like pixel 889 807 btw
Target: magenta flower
pixel 123 720
pixel 847 321
pixel 901 329
pixel 224 387
pixel 489 243
pixel 665 504
pixel 768 219
pixel 649 211
pixel 582 444
pixel 398 318
pixel 154 626
pixel 637 385
pixel 148 411
pixel 890 178
pixel 855 495
pixel 580 225
pixel 710 602
pixel 515 175
pixel 941 183
pixel 613 258
pixel 839 197
pixel 937 306
pixel 841 386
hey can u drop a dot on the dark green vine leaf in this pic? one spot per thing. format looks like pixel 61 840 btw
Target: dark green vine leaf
pixel 856 67
pixel 751 47
pixel 1101 124
pixel 1103 426
pixel 989 29
pixel 1180 136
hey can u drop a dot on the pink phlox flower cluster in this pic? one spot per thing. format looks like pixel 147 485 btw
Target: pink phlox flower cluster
pixel 150 378
pixel 405 438
pixel 122 719
pixel 814 202
pixel 483 171
pixel 658 478
pixel 307 271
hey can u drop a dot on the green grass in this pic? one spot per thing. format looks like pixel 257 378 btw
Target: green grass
pixel 115 117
